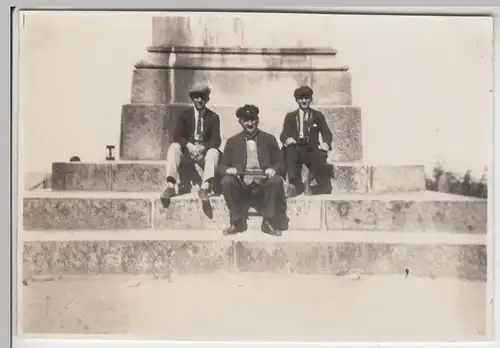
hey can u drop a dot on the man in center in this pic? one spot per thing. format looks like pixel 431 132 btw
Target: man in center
pixel 252 169
pixel 302 145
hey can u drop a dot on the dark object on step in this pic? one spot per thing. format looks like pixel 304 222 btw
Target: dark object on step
pixel 75 159
pixel 110 156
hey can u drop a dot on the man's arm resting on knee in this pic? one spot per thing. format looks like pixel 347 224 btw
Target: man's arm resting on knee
pixel 277 157
pixel 225 160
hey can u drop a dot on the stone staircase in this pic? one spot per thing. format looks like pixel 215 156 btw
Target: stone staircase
pixel 107 218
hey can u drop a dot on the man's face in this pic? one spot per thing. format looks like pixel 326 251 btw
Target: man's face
pixel 249 124
pixel 199 101
pixel 304 102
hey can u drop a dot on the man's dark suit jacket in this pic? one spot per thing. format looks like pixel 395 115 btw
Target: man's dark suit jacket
pixel 269 153
pixel 185 126
pixel 317 124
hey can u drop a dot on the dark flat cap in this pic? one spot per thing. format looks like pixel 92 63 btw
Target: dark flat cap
pixel 247 111
pixel 303 91
pixel 200 89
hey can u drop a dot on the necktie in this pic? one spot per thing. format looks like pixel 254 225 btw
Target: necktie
pixel 305 126
pixel 199 131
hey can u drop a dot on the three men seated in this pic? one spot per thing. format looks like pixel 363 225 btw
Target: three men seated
pixel 252 166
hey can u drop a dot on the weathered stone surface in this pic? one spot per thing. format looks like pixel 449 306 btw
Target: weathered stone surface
pixel 270 30
pixel 438 260
pixel 165 257
pixel 399 215
pixel 146 130
pixel 190 213
pixel 397 178
pixel 264 88
pixel 278 257
pixel 345 124
pixel 151 86
pixel 138 177
pixel 351 178
pixel 117 257
pixel 86 213
pixel 149 176
pixel 68 176
pixel 417 211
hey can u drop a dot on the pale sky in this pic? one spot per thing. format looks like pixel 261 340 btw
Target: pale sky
pixel 423 83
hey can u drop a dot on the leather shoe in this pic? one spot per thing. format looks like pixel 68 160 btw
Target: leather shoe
pixel 203 194
pixel 167 194
pixel 291 191
pixel 308 189
pixel 236 227
pixel 268 228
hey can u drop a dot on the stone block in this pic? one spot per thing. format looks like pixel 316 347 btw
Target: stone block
pixel 397 178
pixel 149 176
pixel 191 213
pixel 160 257
pixel 66 213
pixel 428 260
pixel 466 216
pixel 138 177
pixel 163 257
pixel 151 86
pixel 302 257
pixel 146 130
pixel 351 178
pixel 68 176
pixel 344 122
pixel 264 88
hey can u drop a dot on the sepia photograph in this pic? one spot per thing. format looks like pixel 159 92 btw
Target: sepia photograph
pixel 255 176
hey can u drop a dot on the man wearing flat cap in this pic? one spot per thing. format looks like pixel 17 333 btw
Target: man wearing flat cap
pixel 252 168
pixel 302 145
pixel 197 138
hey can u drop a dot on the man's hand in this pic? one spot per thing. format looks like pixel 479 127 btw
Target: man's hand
pixel 270 172
pixel 323 147
pixel 231 171
pixel 195 150
pixel 290 141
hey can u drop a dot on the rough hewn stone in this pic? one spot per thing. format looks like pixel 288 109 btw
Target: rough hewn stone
pixel 138 177
pixel 115 257
pixel 191 213
pixel 149 176
pixel 351 178
pixel 146 130
pixel 86 213
pixel 165 257
pixel 404 212
pixel 68 176
pixel 407 215
pixel 151 86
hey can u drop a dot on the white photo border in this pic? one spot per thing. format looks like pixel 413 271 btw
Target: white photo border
pixel 9 149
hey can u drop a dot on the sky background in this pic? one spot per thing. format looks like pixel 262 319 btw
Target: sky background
pixel 424 83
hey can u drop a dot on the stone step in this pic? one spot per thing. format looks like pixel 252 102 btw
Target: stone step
pixel 149 176
pixel 425 211
pixel 146 129
pixel 149 252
